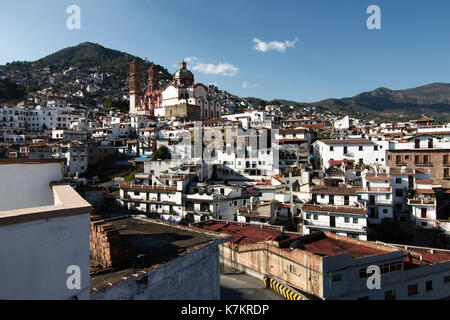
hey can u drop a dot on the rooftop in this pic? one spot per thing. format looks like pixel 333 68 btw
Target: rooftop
pixel 323 245
pixel 343 190
pixel 67 202
pixel 155 241
pixel 245 233
pixel 337 209
pixel 346 141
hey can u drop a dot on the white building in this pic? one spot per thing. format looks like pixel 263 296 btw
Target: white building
pixel 336 210
pixel 362 151
pixel 44 231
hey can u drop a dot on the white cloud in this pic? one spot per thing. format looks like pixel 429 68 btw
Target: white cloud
pixel 246 85
pixel 191 59
pixel 273 45
pixel 225 69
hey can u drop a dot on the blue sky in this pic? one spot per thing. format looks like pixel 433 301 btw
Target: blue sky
pixel 308 50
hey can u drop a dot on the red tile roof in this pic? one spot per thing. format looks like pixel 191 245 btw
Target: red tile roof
pixel 377 177
pixel 424 181
pixel 425 191
pixel 333 247
pixel 425 119
pixel 242 233
pixel 321 189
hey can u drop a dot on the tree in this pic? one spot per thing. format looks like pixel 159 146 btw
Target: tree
pixel 162 153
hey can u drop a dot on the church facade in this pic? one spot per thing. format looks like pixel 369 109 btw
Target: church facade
pixel 182 98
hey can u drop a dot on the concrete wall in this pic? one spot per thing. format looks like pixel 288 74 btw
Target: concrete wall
pixel 31 184
pixel 352 287
pixel 34 257
pixel 300 269
pixel 194 276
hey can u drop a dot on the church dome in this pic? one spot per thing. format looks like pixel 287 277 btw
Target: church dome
pixel 183 73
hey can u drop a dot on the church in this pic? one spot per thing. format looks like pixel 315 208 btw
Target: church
pixel 182 98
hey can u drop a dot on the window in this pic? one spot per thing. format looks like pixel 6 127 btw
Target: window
pixel 413 290
pixel 416 159
pixel 337 277
pixel 429 285
pixel 398 181
pixel 292 268
pixel 375 148
pixel 399 193
pixel 423 213
pixel 446 279
pixel 360 148
pixel 446 172
pixel 417 143
pixel 385 211
pixel 446 160
pixel 355 220
pixel 308 216
pixel 347 220
pixel 391 267
pixel 331 148
pixel 389 295
pixel 316 217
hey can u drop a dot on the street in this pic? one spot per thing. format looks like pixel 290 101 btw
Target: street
pixel 238 286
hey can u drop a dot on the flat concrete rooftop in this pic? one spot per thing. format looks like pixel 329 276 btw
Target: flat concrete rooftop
pixel 154 241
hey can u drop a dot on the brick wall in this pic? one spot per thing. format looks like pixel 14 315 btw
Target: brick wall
pixel 300 269
pixel 105 243
pixel 435 167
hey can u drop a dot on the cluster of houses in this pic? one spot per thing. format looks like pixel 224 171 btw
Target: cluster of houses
pixel 309 174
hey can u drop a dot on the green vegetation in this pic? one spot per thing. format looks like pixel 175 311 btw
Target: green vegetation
pixel 130 177
pixel 10 90
pixel 89 55
pixel 162 153
pixel 119 104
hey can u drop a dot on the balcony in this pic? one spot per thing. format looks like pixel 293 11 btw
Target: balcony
pixel 422 202
pixel 339 227
pixel 419 164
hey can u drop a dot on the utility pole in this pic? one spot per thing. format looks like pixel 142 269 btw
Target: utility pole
pixel 291 198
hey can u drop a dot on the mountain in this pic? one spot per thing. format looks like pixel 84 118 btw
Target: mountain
pixel 89 55
pixel 383 103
